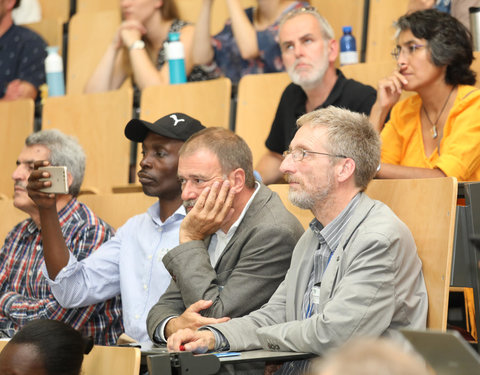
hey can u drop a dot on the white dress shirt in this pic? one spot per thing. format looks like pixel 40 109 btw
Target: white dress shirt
pixel 129 264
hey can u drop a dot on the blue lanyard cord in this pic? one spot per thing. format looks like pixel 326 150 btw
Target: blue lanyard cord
pixel 310 306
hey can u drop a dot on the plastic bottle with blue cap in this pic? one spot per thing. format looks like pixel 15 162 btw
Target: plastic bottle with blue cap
pixel 176 59
pixel 348 47
pixel 54 72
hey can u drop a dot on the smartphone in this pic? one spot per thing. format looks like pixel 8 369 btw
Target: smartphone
pixel 58 176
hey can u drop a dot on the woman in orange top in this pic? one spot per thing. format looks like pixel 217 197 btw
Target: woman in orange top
pixel 435 133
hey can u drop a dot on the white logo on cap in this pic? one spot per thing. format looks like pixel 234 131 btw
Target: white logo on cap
pixel 177 120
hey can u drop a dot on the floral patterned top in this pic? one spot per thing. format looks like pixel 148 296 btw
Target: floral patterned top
pixel 199 72
pixel 230 63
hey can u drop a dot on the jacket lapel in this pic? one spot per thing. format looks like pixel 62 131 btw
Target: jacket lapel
pixel 330 276
pixel 262 197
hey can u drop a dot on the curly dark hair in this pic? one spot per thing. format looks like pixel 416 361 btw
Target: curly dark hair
pixel 449 42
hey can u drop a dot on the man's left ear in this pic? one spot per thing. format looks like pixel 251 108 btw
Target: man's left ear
pixel 345 169
pixel 237 179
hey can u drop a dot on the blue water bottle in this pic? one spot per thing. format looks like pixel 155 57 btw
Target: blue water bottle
pixel 176 59
pixel 54 72
pixel 348 47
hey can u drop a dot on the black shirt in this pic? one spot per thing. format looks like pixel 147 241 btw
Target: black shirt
pixel 346 93
pixel 22 55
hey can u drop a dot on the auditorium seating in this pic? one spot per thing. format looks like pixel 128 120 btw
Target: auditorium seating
pixel 16 123
pixel 111 360
pixel 88 38
pixel 369 73
pixel 97 120
pixel 381 33
pixel 341 13
pixel 427 207
pixel 91 6
pixel 11 216
pixel 258 98
pixel 55 9
pixel 207 101
pixel 51 30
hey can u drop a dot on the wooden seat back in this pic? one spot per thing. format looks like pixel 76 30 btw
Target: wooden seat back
pixel 428 208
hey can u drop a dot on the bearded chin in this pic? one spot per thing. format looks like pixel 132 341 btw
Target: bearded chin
pixel 301 199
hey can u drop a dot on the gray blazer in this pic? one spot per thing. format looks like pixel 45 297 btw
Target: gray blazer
pixel 373 286
pixel 250 269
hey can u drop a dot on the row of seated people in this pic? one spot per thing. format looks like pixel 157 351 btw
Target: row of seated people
pixel 246 45
pixel 148 24
pixel 300 165
pixel 443 84
pixel 223 253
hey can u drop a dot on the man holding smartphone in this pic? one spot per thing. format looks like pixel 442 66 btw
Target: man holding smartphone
pixel 24 293
pixel 130 264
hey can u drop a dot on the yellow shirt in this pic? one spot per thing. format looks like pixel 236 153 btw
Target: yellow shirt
pixel 459 154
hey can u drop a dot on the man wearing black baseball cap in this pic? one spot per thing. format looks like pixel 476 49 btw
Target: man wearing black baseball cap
pixel 130 263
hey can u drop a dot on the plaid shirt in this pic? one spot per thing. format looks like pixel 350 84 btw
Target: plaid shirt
pixel 24 292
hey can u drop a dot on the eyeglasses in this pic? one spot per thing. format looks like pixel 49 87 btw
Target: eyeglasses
pixel 298 154
pixel 407 50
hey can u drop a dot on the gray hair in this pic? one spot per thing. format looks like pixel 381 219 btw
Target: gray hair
pixel 327 30
pixel 64 150
pixel 349 134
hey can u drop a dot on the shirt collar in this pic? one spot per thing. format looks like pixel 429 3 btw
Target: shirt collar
pixel 154 212
pixel 236 224
pixel 332 233
pixel 66 212
pixel 336 92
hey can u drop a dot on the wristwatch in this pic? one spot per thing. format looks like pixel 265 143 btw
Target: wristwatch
pixel 138 44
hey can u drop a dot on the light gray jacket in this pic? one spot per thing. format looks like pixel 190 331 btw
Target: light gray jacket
pixel 373 286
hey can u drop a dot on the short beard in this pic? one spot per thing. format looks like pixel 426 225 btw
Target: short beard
pixel 310 82
pixel 306 201
pixel 301 199
pixel 188 204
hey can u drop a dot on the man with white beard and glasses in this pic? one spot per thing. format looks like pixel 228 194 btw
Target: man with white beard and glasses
pixel 309 51
pixel 355 271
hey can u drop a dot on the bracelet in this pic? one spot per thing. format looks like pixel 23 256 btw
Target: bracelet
pixel 138 44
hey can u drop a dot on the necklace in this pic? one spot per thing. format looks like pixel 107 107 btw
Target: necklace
pixel 434 124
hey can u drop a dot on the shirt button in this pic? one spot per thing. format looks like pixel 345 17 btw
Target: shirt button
pixel 30 273
pixel 39 247
pixel 160 229
pixel 149 257
pixel 137 316
pixel 145 286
